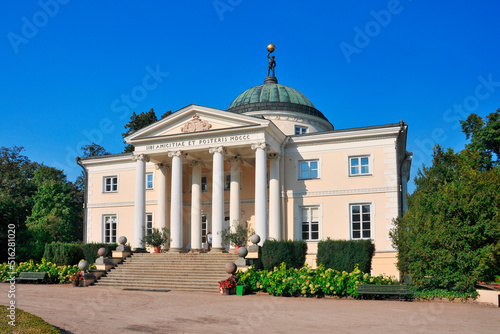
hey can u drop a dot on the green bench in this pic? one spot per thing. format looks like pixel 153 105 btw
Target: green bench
pixel 27 276
pixel 372 289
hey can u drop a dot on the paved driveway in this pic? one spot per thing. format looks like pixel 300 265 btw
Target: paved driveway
pixel 112 310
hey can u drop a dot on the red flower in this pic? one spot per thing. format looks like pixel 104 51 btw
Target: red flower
pixel 227 283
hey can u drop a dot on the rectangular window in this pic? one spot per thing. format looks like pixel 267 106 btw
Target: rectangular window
pixel 109 222
pixel 308 169
pixel 227 184
pixel 204 228
pixel 359 165
pixel 299 130
pixel 204 184
pixel 110 184
pixel 310 223
pixel 149 180
pixel 149 223
pixel 361 221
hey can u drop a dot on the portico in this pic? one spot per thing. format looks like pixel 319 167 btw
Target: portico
pixel 226 157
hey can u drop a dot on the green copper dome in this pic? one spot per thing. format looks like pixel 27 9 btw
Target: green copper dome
pixel 273 96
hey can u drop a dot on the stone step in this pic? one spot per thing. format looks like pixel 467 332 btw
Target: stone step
pixel 169 271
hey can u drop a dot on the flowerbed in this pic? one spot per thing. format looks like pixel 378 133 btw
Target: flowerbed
pixel 55 274
pixel 307 282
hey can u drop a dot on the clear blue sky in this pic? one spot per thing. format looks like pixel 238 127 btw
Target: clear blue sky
pixel 67 64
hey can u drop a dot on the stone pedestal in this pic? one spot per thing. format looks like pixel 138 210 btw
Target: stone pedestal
pixel 88 279
pixel 97 273
pixel 121 254
pixel 104 263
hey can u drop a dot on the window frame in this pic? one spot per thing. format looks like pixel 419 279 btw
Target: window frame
pixel 303 130
pixel 301 223
pixel 360 156
pixel 152 181
pixel 206 183
pixel 103 228
pixel 104 178
pixel 299 169
pixel 146 228
pixel 372 220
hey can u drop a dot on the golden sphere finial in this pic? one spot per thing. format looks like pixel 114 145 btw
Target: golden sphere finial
pixel 271 48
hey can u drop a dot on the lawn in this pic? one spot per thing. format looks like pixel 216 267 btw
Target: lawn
pixel 25 323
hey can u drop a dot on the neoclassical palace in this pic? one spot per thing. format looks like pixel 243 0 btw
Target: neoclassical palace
pixel 271 159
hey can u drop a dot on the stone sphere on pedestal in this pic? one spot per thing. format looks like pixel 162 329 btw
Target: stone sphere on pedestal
pixel 83 265
pixel 242 251
pixel 122 240
pixel 230 268
pixel 255 239
pixel 102 251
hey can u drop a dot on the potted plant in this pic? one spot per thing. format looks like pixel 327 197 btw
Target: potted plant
pixel 238 236
pixel 227 286
pixel 76 278
pixel 156 238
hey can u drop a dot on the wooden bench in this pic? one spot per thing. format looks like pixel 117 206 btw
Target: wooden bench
pixel 372 289
pixel 29 276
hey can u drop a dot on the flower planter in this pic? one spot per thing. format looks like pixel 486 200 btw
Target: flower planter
pixel 157 249
pixel 75 283
pixel 236 247
pixel 227 291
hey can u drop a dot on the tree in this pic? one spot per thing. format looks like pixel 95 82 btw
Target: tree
pixel 93 150
pixel 450 236
pixel 56 212
pixel 16 191
pixel 485 137
pixel 138 122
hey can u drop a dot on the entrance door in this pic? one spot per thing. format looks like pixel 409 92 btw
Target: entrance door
pixel 204 230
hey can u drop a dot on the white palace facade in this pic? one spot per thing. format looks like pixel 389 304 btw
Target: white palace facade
pixel 271 159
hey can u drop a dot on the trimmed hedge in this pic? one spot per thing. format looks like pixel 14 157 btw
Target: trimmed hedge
pixel 344 255
pixel 292 253
pixel 90 250
pixel 63 254
pixel 66 254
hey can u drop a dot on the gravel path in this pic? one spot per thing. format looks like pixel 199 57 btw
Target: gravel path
pixel 112 310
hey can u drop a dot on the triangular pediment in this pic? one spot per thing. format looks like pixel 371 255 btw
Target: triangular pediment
pixel 196 119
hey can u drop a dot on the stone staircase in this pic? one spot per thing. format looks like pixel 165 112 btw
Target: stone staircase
pixel 169 271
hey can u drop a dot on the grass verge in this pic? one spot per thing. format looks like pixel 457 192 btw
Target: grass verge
pixel 25 323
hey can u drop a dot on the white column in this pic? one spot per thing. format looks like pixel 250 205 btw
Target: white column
pixel 217 198
pixel 162 196
pixel 234 201
pixel 140 201
pixel 260 191
pixel 275 228
pixel 176 202
pixel 196 206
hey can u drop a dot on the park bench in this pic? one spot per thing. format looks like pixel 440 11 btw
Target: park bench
pixel 28 276
pixel 372 289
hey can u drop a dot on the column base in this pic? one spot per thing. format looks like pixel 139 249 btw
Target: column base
pixel 196 250
pixel 177 250
pixel 217 250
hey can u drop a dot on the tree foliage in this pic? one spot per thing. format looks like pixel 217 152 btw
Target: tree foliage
pixel 138 122
pixel 30 189
pixel 450 236
pixel 16 192
pixel 93 150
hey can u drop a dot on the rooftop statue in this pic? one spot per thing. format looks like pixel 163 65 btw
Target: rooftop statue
pixel 272 62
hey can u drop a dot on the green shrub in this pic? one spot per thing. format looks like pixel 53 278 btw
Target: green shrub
pixel 63 254
pixel 292 253
pixel 90 250
pixel 55 274
pixel 346 254
pixel 289 282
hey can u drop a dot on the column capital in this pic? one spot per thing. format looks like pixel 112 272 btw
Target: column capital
pixel 235 160
pixel 163 167
pixel 218 149
pixel 276 156
pixel 194 163
pixel 179 154
pixel 140 157
pixel 262 146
